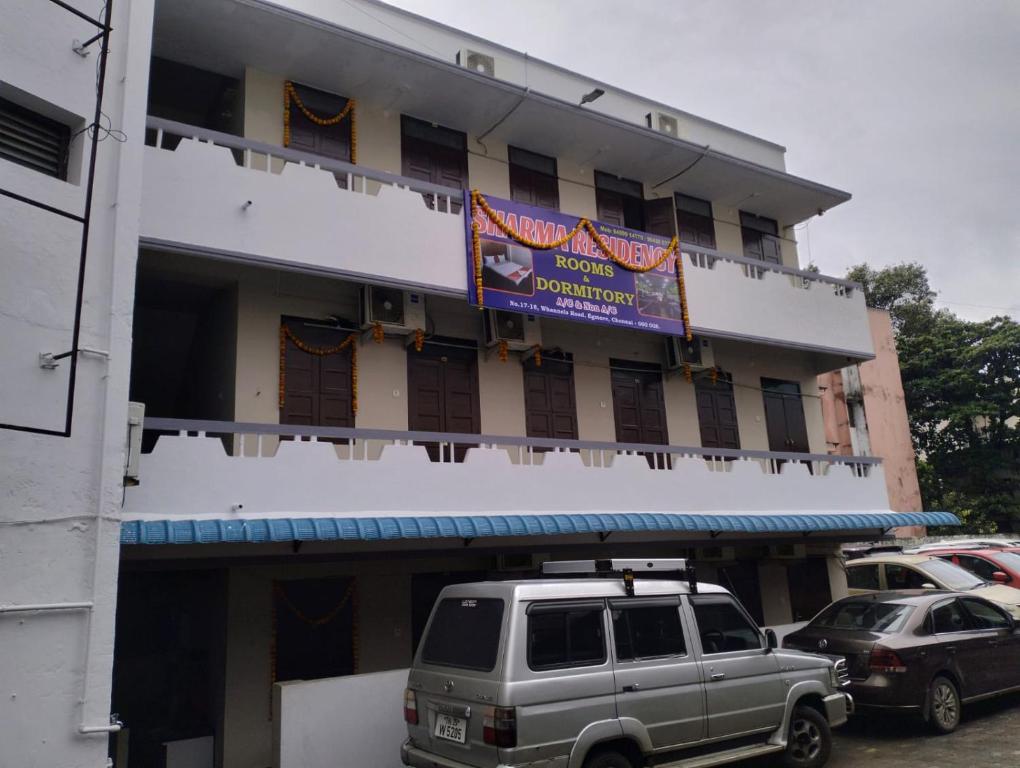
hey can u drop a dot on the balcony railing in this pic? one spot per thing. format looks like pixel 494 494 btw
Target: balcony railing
pixel 193 200
pixel 213 468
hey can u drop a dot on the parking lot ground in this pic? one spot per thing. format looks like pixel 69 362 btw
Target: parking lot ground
pixel 988 737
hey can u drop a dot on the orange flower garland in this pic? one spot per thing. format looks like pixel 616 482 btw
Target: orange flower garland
pixel 286 333
pixel 377 332
pixel 478 201
pixel 350 108
pixel 687 373
pixel 538 356
pixel 503 350
pixel 419 339
pixel 714 375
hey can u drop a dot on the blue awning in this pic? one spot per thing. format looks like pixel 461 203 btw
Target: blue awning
pixel 263 531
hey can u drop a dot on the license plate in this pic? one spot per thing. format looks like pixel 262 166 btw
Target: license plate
pixel 451 728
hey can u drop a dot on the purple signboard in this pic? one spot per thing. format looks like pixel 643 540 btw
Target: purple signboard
pixel 577 280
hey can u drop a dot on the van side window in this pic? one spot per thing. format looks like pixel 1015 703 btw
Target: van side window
pixel 644 633
pixel 862 577
pixel 723 627
pixel 565 637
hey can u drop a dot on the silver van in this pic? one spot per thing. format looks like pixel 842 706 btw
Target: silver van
pixel 605 670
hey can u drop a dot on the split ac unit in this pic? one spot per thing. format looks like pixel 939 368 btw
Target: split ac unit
pixel 520 332
pixel 395 310
pixel 663 123
pixel 788 551
pixel 697 352
pixel 482 63
pixel 136 421
pixel 520 561
pixel 708 554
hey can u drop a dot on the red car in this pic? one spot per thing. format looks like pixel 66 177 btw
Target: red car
pixel 998 565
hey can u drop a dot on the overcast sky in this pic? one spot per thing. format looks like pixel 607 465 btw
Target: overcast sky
pixel 913 106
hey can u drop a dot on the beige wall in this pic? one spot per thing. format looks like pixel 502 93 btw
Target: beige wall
pixel 384 637
pixel 379 148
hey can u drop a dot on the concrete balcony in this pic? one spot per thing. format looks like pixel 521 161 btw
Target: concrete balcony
pixel 381 484
pixel 229 197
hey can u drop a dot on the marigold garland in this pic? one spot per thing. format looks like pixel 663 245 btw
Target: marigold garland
pixel 350 341
pixel 419 339
pixel 687 373
pixel 327 617
pixel 479 201
pixel 714 375
pixel 537 350
pixel 503 350
pixel 377 332
pixel 350 108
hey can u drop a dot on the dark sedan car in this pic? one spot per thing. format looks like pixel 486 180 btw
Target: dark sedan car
pixel 918 650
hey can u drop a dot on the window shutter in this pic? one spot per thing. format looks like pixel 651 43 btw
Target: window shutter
pixel 29 139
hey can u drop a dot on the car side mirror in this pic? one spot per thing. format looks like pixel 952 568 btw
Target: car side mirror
pixel 1000 577
pixel 928 585
pixel 771 641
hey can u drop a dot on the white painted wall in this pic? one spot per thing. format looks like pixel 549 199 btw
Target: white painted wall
pixel 341 722
pixel 193 478
pixel 59 511
pixel 193 196
pixel 398 27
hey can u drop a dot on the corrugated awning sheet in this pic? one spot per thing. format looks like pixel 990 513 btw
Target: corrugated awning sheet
pixel 260 531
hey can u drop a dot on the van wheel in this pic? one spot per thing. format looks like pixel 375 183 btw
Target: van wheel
pixel 943 705
pixel 607 759
pixel 809 741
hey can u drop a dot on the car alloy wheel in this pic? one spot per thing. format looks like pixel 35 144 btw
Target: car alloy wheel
pixel 945 705
pixel 805 740
pixel 808 741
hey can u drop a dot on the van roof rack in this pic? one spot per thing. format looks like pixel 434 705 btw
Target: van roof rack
pixel 625 569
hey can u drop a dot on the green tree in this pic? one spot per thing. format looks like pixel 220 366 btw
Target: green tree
pixel 962 386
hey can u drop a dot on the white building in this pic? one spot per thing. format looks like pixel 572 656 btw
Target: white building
pixel 273 179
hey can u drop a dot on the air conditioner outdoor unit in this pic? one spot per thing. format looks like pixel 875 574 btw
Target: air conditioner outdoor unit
pixel 697 352
pixel 482 63
pixel 708 554
pixel 788 551
pixel 663 123
pixel 520 332
pixel 395 310
pixel 136 422
pixel 526 561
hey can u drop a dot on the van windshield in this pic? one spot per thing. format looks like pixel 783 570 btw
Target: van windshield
pixel 464 633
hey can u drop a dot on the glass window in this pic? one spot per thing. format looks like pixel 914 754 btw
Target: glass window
pixel 948 575
pixel 464 633
pixel 864 615
pixel 902 577
pixel 643 633
pixel 565 638
pixel 723 627
pixel 862 577
pixel 948 617
pixel 985 615
pixel 978 566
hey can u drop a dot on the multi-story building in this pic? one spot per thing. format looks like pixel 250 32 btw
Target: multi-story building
pixel 342 410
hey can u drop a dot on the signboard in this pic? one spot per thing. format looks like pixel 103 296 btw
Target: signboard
pixel 577 280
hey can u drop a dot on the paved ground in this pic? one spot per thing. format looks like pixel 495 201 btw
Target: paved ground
pixel 988 737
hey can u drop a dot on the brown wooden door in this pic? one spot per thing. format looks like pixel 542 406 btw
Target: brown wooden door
pixel 784 416
pixel 717 413
pixel 550 407
pixel 660 217
pixel 619 201
pixel 317 389
pixel 326 140
pixel 442 393
pixel 434 154
pixel 639 408
pixel 809 587
pixel 694 221
pixel 533 179
pixel 761 238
